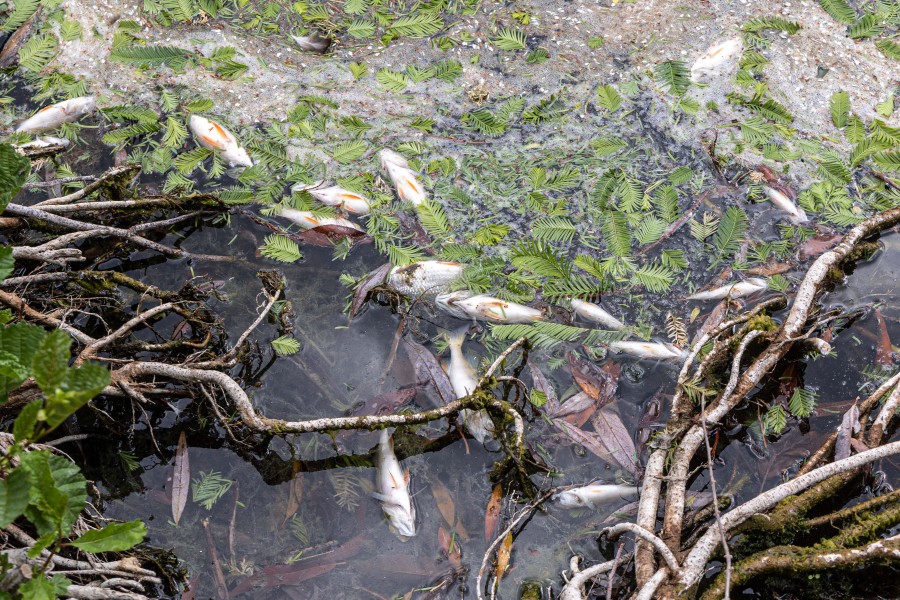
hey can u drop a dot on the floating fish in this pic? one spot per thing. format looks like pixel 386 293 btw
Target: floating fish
pixel 648 350
pixel 594 494
pixel 308 220
pixel 795 213
pixel 717 55
pixel 733 290
pixel 313 42
pixel 463 305
pixel 51 117
pixel 404 179
pixel 44 142
pixel 594 312
pixel 393 489
pixel 427 277
pixel 338 197
pixel 213 136
pixel 464 382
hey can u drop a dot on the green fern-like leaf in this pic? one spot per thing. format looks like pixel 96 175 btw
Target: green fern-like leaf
pixel 701 230
pixel 281 248
pixel 885 134
pixel 840 108
pixel 554 229
pixel 394 81
pixel 765 107
pixel 354 124
pixel 356 7
pixel 775 420
pixel 418 25
pixel 37 52
pixel 762 23
pixel 631 194
pixel 70 31
pixel 117 136
pixel 403 255
pixel 152 56
pixel 609 98
pixel 654 277
pixel 616 233
pixel 839 10
pixel 285 345
pixel 869 26
pixel 361 29
pixel 545 110
pixel 888 160
pixel 510 39
pixel 889 48
pixel 665 200
pixel 674 259
pixel 802 402
pixel 447 70
pixel 358 69
pixel 540 258
pixel 730 233
pixel 650 230
pixel 175 133
pixel 209 488
pixel 434 219
pixel 674 75
pixel 269 154
pixel 188 161
pixel 576 286
pixel 22 11
pixel 484 122
pixel 349 151
pixel 608 144
pixel 756 131
pixel 832 166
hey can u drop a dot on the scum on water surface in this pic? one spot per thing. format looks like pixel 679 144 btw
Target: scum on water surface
pixel 566 152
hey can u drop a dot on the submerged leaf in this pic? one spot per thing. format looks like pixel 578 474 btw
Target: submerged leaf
pixel 181 478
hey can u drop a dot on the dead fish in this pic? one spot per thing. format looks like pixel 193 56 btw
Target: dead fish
pixel 393 489
pixel 594 494
pixel 51 117
pixel 338 197
pixel 425 277
pixel 652 350
pixel 462 378
pixel 795 213
pixel 718 54
pixel 309 220
pixel 313 42
pixel 734 290
pixel 404 179
pixel 594 312
pixel 44 142
pixel 463 305
pixel 213 136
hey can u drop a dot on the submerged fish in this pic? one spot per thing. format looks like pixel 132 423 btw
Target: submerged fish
pixel 426 277
pixel 338 197
pixel 718 55
pixel 404 179
pixel 51 117
pixel 44 142
pixel 313 42
pixel 732 290
pixel 462 378
pixel 463 305
pixel 393 489
pixel 648 350
pixel 213 136
pixel 591 495
pixel 780 199
pixel 594 312
pixel 309 220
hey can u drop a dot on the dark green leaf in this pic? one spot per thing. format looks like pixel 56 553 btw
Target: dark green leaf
pixel 41 588
pixel 58 492
pixel 80 385
pixel 23 428
pixel 14 169
pixel 50 362
pixel 7 262
pixel 22 341
pixel 112 538
pixel 14 496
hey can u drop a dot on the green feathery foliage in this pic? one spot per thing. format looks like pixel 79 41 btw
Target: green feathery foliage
pixel 657 278
pixel 839 10
pixel 358 69
pixel 349 151
pixel 868 26
pixel 554 229
pixel 616 233
pixel 285 345
pixel 762 23
pixel 608 97
pixel 731 232
pixel 421 24
pixel 840 108
pixel 775 419
pixel 510 39
pixel 539 258
pixel 674 75
pixel 765 107
pixel 434 220
pixel 889 48
pixel 545 110
pixel 22 11
pixel 394 81
pixel 209 488
pixel 37 52
pixel 153 56
pixel 281 248
pixel 361 29
pixel 802 402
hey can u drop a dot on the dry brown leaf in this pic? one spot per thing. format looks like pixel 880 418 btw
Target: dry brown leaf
pixel 449 546
pixel 181 478
pixel 503 555
pixel 295 492
pixel 492 514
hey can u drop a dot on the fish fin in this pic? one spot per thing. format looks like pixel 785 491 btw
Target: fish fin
pixel 382 498
pixel 406 477
pixel 457 337
pixel 211 141
pixel 219 129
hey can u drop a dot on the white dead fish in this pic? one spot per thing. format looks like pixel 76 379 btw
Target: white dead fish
pixel 651 350
pixel 309 220
pixel 594 494
pixel 795 213
pixel 213 136
pixel 404 179
pixel 51 117
pixel 427 277
pixel 594 312
pixel 338 197
pixel 393 489
pixel 462 378
pixel 44 142
pixel 732 290
pixel 487 308
pixel 313 42
pixel 718 55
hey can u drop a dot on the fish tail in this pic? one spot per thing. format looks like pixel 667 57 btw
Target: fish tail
pixel 456 338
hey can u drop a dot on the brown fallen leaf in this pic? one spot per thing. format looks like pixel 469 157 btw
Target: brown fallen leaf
pixel 295 492
pixel 613 434
pixel 884 353
pixel 504 553
pixel 449 546
pixel 329 235
pixel 849 426
pixel 541 384
pixel 599 383
pixel 492 514
pixel 770 269
pixel 819 244
pixel 429 371
pixel 363 288
pixel 447 508
pixel 181 478
pixel 577 410
pixel 587 439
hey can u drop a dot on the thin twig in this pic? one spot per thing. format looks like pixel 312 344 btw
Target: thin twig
pixel 715 496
